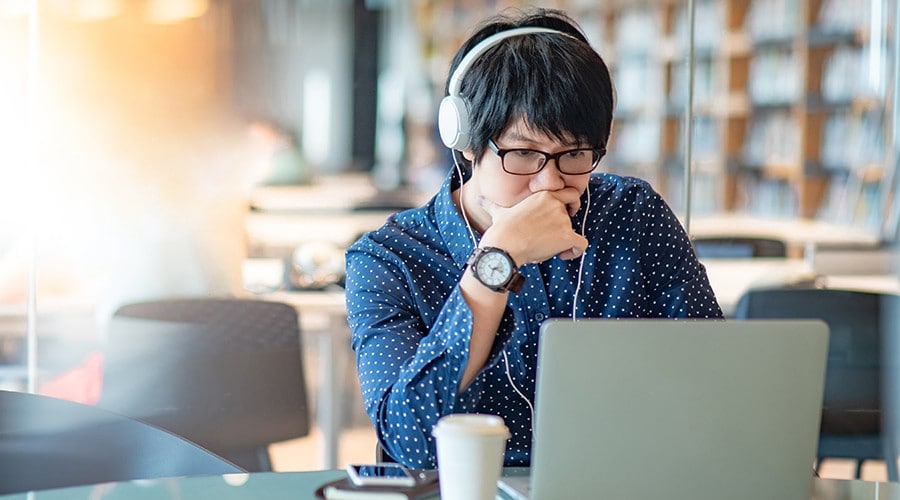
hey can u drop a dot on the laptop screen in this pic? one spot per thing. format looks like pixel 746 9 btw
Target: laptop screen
pixel 641 408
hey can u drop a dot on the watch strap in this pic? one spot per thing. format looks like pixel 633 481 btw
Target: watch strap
pixel 515 281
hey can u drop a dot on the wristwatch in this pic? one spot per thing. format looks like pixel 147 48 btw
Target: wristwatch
pixel 495 269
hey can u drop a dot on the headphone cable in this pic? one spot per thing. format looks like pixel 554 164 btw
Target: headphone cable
pixel 583 254
pixel 516 388
pixel 462 205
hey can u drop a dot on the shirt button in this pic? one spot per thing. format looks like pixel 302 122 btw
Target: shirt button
pixel 539 316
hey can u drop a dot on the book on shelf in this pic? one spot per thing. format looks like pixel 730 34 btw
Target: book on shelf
pixel 426 486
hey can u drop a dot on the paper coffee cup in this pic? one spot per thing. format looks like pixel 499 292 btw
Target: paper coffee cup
pixel 470 451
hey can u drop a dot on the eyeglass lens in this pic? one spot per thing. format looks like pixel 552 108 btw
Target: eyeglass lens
pixel 526 161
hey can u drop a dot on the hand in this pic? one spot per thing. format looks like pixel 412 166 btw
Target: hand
pixel 536 228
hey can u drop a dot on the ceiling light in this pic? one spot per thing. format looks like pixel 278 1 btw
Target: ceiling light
pixel 173 11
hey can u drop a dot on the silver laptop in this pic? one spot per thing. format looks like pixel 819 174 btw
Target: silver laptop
pixel 680 409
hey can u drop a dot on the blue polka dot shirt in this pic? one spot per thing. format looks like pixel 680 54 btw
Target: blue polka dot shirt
pixel 411 325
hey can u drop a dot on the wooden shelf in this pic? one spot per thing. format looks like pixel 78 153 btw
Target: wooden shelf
pixel 729 59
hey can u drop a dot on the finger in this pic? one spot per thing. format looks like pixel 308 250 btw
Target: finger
pixel 489 206
pixel 571 198
pixel 576 251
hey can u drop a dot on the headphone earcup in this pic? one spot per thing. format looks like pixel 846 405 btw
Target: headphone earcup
pixel 453 122
pixel 453 114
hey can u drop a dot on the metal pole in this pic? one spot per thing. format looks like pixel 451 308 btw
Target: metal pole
pixel 891 224
pixel 31 165
pixel 689 119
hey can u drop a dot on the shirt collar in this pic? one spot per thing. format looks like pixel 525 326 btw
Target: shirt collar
pixel 451 226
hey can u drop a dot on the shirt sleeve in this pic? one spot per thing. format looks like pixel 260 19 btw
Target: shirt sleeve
pixel 409 372
pixel 680 287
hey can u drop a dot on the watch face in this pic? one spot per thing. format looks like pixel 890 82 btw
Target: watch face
pixel 493 268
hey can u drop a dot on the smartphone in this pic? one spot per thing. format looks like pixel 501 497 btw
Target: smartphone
pixel 385 474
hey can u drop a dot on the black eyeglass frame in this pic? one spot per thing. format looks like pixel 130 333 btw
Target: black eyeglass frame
pixel 598 152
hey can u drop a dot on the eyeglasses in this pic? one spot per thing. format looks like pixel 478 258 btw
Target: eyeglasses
pixel 530 161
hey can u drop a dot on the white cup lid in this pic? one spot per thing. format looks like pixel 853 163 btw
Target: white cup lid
pixel 471 424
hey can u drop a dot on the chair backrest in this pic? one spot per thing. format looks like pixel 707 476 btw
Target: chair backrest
pixel 852 401
pixel 226 373
pixel 53 443
pixel 857 379
pixel 708 247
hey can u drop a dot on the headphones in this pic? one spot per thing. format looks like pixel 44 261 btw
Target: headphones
pixel 453 114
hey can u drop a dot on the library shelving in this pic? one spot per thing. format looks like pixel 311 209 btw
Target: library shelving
pixel 790 98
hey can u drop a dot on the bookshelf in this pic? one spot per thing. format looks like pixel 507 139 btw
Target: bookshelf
pixel 790 98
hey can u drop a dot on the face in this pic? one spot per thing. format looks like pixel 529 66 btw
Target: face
pixel 506 189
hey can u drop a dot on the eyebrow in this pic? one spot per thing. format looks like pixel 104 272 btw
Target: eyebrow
pixel 516 136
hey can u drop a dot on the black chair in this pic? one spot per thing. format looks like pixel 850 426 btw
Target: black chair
pixel 737 247
pixel 856 424
pixel 53 443
pixel 225 373
pixel 382 456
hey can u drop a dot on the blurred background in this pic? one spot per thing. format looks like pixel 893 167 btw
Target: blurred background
pixel 184 148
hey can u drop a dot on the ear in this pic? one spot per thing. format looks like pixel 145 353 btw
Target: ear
pixel 469 155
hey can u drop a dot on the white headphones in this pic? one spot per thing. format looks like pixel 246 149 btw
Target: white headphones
pixel 453 114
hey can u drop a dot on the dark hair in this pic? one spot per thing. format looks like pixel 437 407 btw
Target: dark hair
pixel 558 84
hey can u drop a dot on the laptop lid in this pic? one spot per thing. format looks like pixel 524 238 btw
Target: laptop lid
pixel 699 409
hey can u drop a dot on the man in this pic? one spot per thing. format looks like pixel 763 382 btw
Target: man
pixel 445 301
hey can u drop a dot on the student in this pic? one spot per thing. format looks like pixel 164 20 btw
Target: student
pixel 445 301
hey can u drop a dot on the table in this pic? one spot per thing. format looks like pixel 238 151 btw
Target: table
pixel 284 217
pixel 41 436
pixel 881 283
pixel 332 193
pixel 302 485
pixel 794 232
pixel 730 278
pixel 274 233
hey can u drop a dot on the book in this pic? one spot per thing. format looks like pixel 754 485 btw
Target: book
pixel 426 486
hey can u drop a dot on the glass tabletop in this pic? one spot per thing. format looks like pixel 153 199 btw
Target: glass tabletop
pixel 302 485
pixel 268 485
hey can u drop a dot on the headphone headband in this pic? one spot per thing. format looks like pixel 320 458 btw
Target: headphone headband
pixel 453 114
pixel 481 47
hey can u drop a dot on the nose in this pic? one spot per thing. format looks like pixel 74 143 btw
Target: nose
pixel 549 178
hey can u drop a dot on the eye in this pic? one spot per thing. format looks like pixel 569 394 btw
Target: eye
pixel 524 153
pixel 577 153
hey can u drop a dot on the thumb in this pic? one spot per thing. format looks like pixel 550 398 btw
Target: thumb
pixel 578 249
pixel 490 207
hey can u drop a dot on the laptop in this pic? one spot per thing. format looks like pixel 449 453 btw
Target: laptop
pixel 681 409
